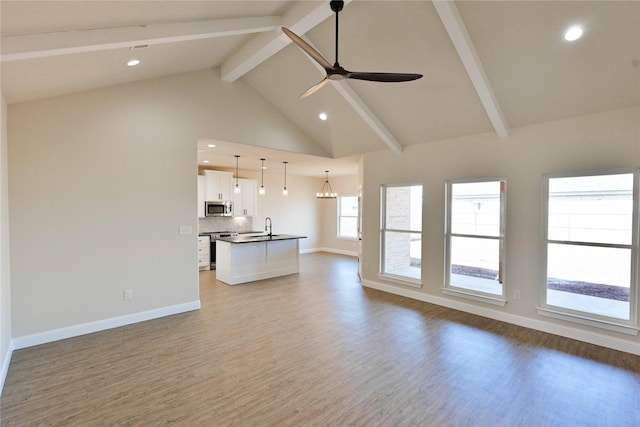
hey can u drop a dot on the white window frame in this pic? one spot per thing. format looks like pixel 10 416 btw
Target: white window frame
pixel 470 293
pixel 356 216
pixel 619 325
pixel 400 279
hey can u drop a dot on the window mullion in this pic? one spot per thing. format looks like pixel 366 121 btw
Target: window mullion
pixel 479 236
pixel 592 244
pixel 402 231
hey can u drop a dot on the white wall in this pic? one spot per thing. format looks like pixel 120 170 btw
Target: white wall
pixel 5 289
pixel 600 141
pixel 100 182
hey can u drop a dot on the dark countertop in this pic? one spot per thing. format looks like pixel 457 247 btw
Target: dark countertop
pixel 261 238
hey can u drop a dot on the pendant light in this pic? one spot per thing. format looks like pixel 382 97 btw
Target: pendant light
pixel 237 188
pixel 261 191
pixel 284 190
pixel 327 191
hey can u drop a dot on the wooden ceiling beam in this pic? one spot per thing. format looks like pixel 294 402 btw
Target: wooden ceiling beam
pixel 457 31
pixel 300 18
pixel 32 46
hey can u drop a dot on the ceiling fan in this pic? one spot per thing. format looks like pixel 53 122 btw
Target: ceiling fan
pixel 335 71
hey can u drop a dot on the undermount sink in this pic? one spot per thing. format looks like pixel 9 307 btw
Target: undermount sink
pixel 260 236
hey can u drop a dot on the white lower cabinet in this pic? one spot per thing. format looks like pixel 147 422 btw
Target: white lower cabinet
pixel 247 262
pixel 204 252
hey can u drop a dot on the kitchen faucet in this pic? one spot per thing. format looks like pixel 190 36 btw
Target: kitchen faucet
pixel 269 226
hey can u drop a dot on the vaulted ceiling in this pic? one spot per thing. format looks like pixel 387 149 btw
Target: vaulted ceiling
pixel 487 66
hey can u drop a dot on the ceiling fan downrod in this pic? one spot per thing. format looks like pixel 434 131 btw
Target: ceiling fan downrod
pixel 336 6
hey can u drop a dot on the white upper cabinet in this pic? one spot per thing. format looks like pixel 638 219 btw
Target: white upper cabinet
pixel 201 198
pixel 245 203
pixel 218 185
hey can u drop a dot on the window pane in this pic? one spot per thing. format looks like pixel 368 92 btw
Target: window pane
pixel 348 216
pixel 404 208
pixel 403 254
pixel 594 209
pixel 590 279
pixel 348 227
pixel 348 206
pixel 475 208
pixel 475 264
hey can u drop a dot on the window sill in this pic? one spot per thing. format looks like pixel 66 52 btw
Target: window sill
pixel 589 321
pixel 407 281
pixel 475 297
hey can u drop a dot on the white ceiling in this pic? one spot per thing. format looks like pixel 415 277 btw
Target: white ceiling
pixel 488 66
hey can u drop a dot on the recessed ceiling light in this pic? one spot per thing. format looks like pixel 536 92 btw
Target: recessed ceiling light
pixel 205 161
pixel 573 33
pixel 211 145
pixel 133 62
pixel 323 116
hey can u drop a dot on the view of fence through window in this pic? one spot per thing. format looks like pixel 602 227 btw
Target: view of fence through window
pixel 402 231
pixel 589 244
pixel 475 236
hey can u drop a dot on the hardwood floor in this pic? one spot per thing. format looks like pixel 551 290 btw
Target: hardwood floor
pixel 317 349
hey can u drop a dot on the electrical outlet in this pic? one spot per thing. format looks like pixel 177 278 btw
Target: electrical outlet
pixel 185 229
pixel 127 294
pixel 516 294
pixel 366 265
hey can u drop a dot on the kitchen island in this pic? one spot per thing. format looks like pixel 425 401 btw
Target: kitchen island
pixel 249 258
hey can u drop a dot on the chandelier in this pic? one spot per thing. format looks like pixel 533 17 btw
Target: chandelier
pixel 327 191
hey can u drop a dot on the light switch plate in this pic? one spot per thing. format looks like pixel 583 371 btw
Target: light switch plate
pixel 185 229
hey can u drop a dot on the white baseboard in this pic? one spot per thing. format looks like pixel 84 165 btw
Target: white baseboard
pixel 539 325
pixel 101 325
pixel 332 250
pixel 5 366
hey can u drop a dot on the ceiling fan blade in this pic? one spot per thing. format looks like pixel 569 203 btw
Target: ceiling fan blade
pixel 383 77
pixel 315 88
pixel 308 49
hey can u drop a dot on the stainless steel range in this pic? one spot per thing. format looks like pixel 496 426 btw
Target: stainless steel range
pixel 213 235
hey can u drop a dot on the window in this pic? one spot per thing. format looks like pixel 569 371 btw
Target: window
pixel 348 217
pixel 475 239
pixel 401 233
pixel 591 243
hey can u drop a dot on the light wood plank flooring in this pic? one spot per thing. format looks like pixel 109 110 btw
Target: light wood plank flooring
pixel 317 349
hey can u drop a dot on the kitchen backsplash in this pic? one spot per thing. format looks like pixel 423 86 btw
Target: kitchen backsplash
pixel 234 224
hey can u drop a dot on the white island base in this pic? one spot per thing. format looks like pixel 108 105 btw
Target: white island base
pixel 255 260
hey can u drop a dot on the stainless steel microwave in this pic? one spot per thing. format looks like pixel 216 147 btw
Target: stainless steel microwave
pixel 218 208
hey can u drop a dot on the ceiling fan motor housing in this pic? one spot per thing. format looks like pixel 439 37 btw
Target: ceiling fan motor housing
pixel 337 5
